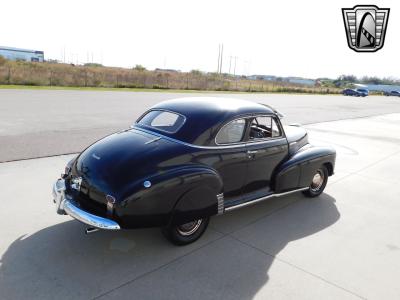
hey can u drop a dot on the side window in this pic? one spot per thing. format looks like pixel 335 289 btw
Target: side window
pixel 232 132
pixel 276 131
pixel 264 127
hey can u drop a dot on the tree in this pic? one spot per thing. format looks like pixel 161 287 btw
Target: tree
pixel 139 68
pixel 93 65
pixel 195 72
pixel 348 78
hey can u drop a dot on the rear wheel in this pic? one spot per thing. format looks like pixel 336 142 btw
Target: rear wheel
pixel 186 233
pixel 318 183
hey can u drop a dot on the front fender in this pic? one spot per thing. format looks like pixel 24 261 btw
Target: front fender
pixel 298 170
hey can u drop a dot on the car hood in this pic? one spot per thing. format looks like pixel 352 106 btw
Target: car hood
pixel 120 159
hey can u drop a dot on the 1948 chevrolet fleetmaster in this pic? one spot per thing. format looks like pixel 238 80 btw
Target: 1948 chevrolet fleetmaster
pixel 187 159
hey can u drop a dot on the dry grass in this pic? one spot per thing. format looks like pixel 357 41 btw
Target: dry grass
pixel 64 75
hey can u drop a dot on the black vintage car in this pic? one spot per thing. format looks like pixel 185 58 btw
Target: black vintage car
pixel 186 160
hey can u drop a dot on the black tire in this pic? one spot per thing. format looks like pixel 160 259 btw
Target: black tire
pixel 317 186
pixel 186 233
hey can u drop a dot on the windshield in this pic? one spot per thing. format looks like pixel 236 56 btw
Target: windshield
pixel 162 120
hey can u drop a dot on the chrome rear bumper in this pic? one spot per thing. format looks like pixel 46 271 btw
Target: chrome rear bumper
pixel 66 205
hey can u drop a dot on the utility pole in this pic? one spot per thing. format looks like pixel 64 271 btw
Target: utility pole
pixel 222 55
pixel 230 63
pixel 219 56
pixel 234 68
pixel 234 74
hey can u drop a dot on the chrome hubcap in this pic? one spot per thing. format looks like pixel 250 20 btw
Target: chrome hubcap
pixel 189 228
pixel 317 181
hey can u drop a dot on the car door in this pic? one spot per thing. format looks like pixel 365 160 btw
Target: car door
pixel 231 157
pixel 266 148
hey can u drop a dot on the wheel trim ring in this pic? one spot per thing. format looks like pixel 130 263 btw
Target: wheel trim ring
pixel 192 227
pixel 317 181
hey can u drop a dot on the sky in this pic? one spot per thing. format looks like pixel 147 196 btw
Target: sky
pixel 284 38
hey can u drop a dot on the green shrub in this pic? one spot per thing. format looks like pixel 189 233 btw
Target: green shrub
pixel 2 61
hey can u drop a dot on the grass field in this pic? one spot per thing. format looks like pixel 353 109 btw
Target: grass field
pixel 56 75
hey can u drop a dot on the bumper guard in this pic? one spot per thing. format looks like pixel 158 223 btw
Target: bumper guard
pixel 66 205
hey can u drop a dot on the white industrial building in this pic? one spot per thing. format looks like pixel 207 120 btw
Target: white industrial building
pixel 21 54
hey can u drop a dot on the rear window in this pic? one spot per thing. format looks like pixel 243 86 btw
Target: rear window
pixel 163 120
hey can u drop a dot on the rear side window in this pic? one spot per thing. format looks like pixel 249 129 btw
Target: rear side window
pixel 163 120
pixel 232 132
pixel 264 127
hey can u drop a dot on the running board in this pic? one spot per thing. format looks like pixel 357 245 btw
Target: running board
pixel 248 203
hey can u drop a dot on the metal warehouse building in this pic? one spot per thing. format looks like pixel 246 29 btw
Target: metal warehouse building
pixel 21 54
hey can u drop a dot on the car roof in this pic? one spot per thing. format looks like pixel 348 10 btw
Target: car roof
pixel 205 115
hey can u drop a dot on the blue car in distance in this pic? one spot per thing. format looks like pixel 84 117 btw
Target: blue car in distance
pixel 363 92
pixel 355 92
pixel 392 93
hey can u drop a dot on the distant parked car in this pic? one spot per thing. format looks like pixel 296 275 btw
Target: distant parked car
pixel 363 92
pixel 350 92
pixel 357 92
pixel 392 93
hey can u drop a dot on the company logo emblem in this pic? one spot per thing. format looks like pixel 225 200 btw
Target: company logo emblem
pixel 365 27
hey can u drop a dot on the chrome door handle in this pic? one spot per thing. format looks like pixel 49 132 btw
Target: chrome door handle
pixel 252 151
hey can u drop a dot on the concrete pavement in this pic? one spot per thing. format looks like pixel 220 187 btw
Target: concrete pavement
pixel 343 245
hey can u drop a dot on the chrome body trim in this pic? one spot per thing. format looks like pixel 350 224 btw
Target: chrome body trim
pixel 154 140
pixel 248 203
pixel 88 218
pixel 66 205
pixel 220 201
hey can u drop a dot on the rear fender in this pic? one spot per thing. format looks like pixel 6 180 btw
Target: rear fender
pixel 299 169
pixel 200 198
pixel 179 194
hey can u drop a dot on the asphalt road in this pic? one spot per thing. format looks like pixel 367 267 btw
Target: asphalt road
pixel 40 123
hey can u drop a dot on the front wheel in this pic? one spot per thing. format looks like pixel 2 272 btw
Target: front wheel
pixel 186 233
pixel 318 183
